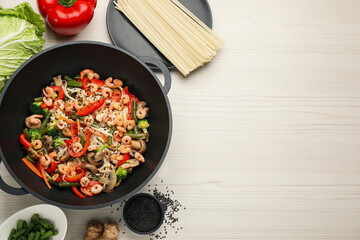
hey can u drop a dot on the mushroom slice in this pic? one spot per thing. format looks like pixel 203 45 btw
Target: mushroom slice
pixel 135 144
pixel 143 146
pixel 57 80
pixel 96 158
pixel 62 153
pixel 108 179
pixel 48 142
pixel 90 167
pixel 32 153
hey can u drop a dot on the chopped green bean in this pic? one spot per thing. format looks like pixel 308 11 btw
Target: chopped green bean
pixel 47 234
pixel 20 225
pixel 19 233
pixel 82 140
pixel 136 130
pixel 35 218
pixel 134 111
pixel 46 224
pixel 31 236
pixel 38 99
pixel 30 159
pixel 110 139
pixel 37 236
pixel 26 132
pixel 12 233
pixel 77 77
pixel 136 136
pixel 43 128
pixel 69 184
pixel 53 182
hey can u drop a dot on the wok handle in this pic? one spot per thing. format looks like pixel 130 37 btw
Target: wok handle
pixel 11 190
pixel 163 69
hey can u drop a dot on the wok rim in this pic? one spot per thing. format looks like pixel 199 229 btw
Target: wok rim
pixel 135 190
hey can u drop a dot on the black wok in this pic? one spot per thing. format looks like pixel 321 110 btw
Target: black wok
pixel 70 59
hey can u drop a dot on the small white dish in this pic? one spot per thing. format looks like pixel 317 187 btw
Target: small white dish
pixel 49 212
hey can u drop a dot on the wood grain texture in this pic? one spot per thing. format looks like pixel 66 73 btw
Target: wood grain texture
pixel 266 137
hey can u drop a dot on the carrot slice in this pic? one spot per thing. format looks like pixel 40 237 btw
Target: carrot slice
pixel 100 134
pixel 69 121
pixel 31 167
pixel 44 176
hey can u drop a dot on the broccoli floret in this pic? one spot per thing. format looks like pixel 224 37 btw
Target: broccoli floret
pixel 121 173
pixel 58 141
pixel 54 131
pixel 34 134
pixel 143 124
pixel 35 108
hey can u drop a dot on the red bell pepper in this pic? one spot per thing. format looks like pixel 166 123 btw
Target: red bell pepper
pixel 24 141
pixel 125 158
pixel 131 102
pixel 67 17
pixel 77 192
pixel 60 92
pixel 51 168
pixel 83 151
pixel 92 107
pixel 97 82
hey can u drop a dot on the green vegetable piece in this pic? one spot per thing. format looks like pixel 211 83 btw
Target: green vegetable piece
pixel 26 132
pixel 37 236
pixel 35 108
pixel 19 233
pixel 34 134
pixel 47 235
pixel 54 131
pixel 20 225
pixel 21 32
pixel 38 99
pixel 82 140
pixel 43 128
pixel 134 111
pixel 144 125
pixel 30 228
pixel 31 236
pixel 35 218
pixel 42 229
pixel 136 136
pixel 136 130
pixel 46 224
pixel 77 77
pixel 121 173
pixel 102 148
pixel 58 141
pixel 23 237
pixel 110 139
pixel 69 184
pixel 30 159
pixel 72 83
pixel 12 234
pixel 95 178
pixel 53 182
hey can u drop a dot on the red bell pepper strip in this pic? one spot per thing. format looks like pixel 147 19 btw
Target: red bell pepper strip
pixel 85 81
pixel 24 141
pixel 67 17
pixel 83 151
pixel 77 192
pixel 51 168
pixel 116 96
pixel 92 107
pixel 97 82
pixel 43 105
pixel 125 158
pixel 76 178
pixel 131 102
pixel 60 91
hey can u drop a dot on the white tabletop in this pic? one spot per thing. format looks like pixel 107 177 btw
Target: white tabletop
pixel 266 137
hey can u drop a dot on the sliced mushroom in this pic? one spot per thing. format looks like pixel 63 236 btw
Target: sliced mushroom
pixel 118 183
pixel 57 80
pixel 88 174
pixel 108 180
pixel 135 144
pixel 90 167
pixel 67 132
pixel 143 146
pixel 96 158
pixel 48 142
pixel 141 104
pixel 32 153
pixel 62 153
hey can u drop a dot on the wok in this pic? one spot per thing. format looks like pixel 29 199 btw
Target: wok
pixel 69 59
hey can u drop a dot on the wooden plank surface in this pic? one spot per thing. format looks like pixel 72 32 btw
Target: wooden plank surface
pixel 266 137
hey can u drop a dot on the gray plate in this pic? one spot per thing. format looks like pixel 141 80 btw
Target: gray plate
pixel 125 35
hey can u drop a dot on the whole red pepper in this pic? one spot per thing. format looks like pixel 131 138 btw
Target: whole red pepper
pixel 67 17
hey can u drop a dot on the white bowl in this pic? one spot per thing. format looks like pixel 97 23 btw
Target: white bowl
pixel 49 212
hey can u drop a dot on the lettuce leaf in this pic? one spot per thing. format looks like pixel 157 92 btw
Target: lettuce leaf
pixel 21 31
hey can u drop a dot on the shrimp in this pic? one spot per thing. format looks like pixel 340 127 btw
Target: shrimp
pixel 118 135
pixel 118 83
pixel 139 157
pixel 109 119
pixel 96 76
pixel 142 112
pixel 59 104
pixel 84 181
pixel 114 105
pixel 93 147
pixel 48 101
pixel 33 121
pixel 67 132
pixel 61 124
pixel 88 72
pixel 109 83
pixel 37 144
pixel 88 120
pixel 125 166
pixel 69 105
pixel 93 87
pixel 115 158
pixel 77 147
pixel 120 120
pixel 130 124
pixel 125 98
pixel 63 169
pixel 96 189
pixel 126 140
pixel 45 160
pixel 106 92
pixel 55 176
pixel 48 92
pixel 124 149
pixel 77 106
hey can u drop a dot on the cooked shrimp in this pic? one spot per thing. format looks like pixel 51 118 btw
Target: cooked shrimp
pixel 71 166
pixel 61 124
pixel 121 129
pixel 114 105
pixel 69 105
pixel 109 83
pixel 37 144
pixel 96 189
pixel 142 112
pixel 120 120
pixel 48 92
pixel 77 106
pixel 125 98
pixel 130 124
pixel 67 132
pixel 88 72
pixel 125 166
pixel 141 104
pixel 93 147
pixel 106 92
pixel 45 160
pixel 84 181
pixel 109 119
pixel 126 140
pixel 124 149
pixel 93 87
pixel 115 158
pixel 33 121
pixel 118 83
pixel 88 120
pixel 77 147
pixel 59 104
pixel 55 177
pixel 48 101
pixel 139 157
pixel 63 169
pixel 96 75
pixel 117 136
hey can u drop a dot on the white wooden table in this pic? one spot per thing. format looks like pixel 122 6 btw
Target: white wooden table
pixel 266 137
